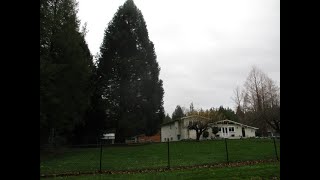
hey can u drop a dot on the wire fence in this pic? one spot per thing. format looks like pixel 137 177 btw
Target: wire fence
pixel 121 157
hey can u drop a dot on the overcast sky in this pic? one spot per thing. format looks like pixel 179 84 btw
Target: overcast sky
pixel 205 48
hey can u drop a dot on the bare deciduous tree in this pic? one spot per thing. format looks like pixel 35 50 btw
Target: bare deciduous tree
pixel 199 125
pixel 238 97
pixel 261 97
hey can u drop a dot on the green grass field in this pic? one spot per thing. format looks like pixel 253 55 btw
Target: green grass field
pixel 155 155
pixel 257 171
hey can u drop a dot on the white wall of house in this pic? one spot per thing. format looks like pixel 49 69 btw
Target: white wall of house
pixel 250 132
pixel 237 133
pixel 232 131
pixel 185 132
pixel 192 134
pixel 183 129
pixel 176 128
pixel 169 131
pixel 229 131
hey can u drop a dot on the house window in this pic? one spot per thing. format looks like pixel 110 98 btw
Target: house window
pixel 165 139
pixel 231 129
pixel 171 138
pixel 219 129
pixel 178 136
pixel 232 135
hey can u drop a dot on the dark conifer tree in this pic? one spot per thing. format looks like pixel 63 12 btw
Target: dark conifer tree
pixel 65 71
pixel 177 113
pixel 129 75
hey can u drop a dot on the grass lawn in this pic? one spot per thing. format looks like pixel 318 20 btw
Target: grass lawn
pixel 155 155
pixel 257 171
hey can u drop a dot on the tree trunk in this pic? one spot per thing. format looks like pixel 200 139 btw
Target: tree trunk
pixel 198 136
pixel 119 136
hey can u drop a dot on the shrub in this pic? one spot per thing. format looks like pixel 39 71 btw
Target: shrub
pixel 205 134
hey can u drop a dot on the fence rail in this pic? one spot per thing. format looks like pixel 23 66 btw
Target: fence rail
pixel 102 157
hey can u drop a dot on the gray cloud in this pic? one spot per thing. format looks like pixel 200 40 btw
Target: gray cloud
pixel 204 48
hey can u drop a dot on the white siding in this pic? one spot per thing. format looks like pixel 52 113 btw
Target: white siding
pixel 169 131
pixel 250 132
pixel 184 133
pixel 192 134
pixel 176 128
pixel 188 134
pixel 238 131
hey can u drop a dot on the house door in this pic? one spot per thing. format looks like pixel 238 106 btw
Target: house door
pixel 243 133
pixel 225 132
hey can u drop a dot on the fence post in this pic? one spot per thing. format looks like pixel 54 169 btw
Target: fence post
pixel 100 155
pixel 225 140
pixel 168 155
pixel 275 148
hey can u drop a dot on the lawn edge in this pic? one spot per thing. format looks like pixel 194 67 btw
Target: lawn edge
pixel 163 169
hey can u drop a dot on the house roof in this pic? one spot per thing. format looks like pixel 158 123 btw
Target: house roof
pixel 187 117
pixel 170 122
pixel 111 130
pixel 233 122
pixel 108 136
pixel 217 122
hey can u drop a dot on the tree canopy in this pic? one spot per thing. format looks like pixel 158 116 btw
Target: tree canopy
pixel 129 75
pixel 66 68
pixel 178 113
pixel 258 102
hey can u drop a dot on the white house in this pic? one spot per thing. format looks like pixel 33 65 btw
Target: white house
pixel 109 137
pixel 177 130
pixel 231 129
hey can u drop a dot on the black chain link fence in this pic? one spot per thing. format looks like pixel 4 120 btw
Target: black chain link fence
pixel 116 157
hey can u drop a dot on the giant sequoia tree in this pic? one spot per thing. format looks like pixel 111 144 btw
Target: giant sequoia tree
pixel 129 75
pixel 65 71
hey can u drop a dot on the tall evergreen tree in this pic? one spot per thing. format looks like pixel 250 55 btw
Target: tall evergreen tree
pixel 167 119
pixel 65 71
pixel 129 75
pixel 240 114
pixel 177 113
pixel 95 121
pixel 228 113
